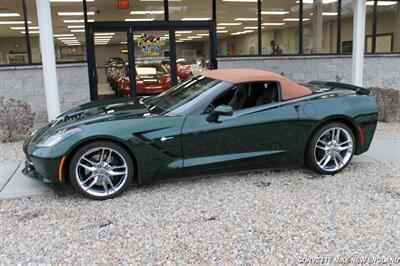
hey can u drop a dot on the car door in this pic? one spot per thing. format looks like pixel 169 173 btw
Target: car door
pixel 253 138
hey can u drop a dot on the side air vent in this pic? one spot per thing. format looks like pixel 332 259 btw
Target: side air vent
pixel 150 142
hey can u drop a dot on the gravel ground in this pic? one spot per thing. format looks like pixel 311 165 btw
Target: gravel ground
pixel 273 217
pixel 11 152
pixel 269 217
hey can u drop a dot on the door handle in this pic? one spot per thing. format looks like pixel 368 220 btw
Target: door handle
pixel 166 138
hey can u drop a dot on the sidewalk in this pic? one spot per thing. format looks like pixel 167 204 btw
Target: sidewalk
pixel 13 184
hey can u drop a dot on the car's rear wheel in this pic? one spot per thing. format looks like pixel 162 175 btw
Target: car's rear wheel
pixel 101 170
pixel 331 148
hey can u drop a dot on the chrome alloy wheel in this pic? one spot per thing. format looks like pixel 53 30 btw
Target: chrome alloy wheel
pixel 101 172
pixel 333 149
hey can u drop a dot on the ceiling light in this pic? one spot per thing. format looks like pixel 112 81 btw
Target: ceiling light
pixel 102 39
pixel 194 37
pixel 104 33
pixel 91 13
pixel 13 22
pixel 203 34
pixel 185 19
pixel 247 31
pixel 230 24
pixel 273 23
pixel 22 28
pixel 66 38
pixel 329 13
pixel 125 42
pixel 31 32
pixel 78 30
pixel 146 12
pixel 222 31
pixel 271 12
pixel 251 28
pixel 63 35
pixel 183 31
pixel 295 19
pixel 139 19
pixel 76 26
pixel 381 3
pixel 9 15
pixel 246 19
pixel 179 41
pixel 221 28
pixel 77 20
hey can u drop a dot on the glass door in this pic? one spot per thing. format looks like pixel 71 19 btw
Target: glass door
pixel 111 60
pixel 152 62
pixel 127 61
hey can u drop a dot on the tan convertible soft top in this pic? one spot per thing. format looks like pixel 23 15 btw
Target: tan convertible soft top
pixel 289 89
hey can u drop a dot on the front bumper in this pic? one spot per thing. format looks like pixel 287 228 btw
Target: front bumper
pixel 45 170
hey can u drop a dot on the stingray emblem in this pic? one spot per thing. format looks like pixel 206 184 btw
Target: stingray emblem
pixel 166 138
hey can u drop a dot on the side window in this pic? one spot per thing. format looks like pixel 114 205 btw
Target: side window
pixel 248 95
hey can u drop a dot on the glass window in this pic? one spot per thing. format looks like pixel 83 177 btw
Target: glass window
pixel 68 31
pixel 189 10
pixel 320 26
pixel 346 45
pixel 135 10
pixel 280 27
pixel 12 33
pixel 237 27
pixel 388 27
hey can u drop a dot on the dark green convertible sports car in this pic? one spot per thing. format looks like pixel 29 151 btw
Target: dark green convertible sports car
pixel 224 120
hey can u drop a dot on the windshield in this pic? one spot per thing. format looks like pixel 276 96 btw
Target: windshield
pixel 180 94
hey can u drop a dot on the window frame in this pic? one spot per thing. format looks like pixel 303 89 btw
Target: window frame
pixel 235 86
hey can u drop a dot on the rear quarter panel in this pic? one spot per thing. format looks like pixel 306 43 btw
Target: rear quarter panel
pixel 359 112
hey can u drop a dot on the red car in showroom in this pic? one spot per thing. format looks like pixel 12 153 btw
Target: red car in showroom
pixel 182 71
pixel 151 78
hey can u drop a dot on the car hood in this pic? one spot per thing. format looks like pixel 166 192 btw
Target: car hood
pixel 99 111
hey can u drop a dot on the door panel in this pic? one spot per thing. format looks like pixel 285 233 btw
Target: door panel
pixel 249 140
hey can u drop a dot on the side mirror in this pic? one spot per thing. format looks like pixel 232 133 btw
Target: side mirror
pixel 225 110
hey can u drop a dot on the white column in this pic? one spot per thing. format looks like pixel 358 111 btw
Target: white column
pixel 317 26
pixel 358 42
pixel 48 58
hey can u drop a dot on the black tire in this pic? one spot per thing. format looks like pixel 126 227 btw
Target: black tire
pixel 119 153
pixel 313 152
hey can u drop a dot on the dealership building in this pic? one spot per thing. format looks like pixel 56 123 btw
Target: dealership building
pixel 54 54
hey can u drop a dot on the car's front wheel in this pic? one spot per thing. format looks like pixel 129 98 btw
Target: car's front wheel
pixel 331 148
pixel 101 170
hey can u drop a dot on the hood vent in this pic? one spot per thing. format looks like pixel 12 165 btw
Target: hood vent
pixel 73 116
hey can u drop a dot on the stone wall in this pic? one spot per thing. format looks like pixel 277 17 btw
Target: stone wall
pixel 379 71
pixel 26 83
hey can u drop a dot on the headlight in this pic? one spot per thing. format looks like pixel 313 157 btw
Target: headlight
pixel 58 137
